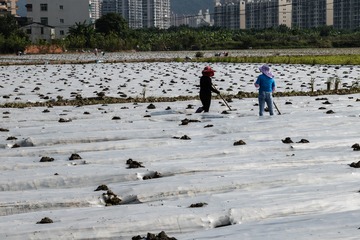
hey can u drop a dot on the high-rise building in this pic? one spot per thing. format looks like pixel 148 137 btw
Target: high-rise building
pixel 60 14
pixel 346 14
pixel 109 6
pixel 312 13
pixel 156 13
pixel 201 19
pixel 8 6
pixel 96 6
pixel 268 13
pixel 140 13
pixel 230 14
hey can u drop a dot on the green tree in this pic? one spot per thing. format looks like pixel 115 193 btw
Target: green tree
pixel 7 25
pixel 81 29
pixel 113 22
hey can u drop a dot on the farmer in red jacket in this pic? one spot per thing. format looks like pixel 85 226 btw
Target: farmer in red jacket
pixel 206 88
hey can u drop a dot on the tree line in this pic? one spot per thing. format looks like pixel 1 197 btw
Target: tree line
pixel 111 33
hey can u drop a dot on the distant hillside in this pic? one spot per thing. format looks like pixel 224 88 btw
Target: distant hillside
pixel 190 6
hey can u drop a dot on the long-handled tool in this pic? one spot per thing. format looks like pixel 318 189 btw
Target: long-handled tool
pixel 277 108
pixel 222 98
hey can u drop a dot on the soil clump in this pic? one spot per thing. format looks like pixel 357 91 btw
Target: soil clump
pixel 187 121
pixel 102 188
pixel 111 198
pixel 47 159
pixel 240 142
pixel 185 137
pixel 287 140
pixel 155 175
pixel 75 156
pixel 197 205
pixel 151 106
pixel 134 164
pixel 150 236
pixel 45 221
pixel 356 147
pixel 355 165
pixel 11 138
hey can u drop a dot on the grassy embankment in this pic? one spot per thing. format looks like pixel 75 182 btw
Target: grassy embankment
pixel 312 60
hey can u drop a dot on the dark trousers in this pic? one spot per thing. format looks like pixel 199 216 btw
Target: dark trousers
pixel 206 101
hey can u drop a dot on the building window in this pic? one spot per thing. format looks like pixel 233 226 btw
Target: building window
pixel 28 31
pixel 44 20
pixel 42 30
pixel 28 7
pixel 62 32
pixel 61 20
pixel 43 7
pixel 61 7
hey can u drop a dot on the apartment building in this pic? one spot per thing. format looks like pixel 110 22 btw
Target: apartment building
pixel 312 13
pixel 60 14
pixel 96 6
pixel 230 14
pixel 346 14
pixel 109 6
pixel 156 13
pixel 268 13
pixel 140 13
pixel 201 19
pixel 179 19
pixel 8 6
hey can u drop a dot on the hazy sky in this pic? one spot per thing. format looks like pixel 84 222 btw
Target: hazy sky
pixel 22 8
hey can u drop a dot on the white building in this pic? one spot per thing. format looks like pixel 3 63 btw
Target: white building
pixel 37 31
pixel 201 19
pixel 96 6
pixel 156 13
pixel 61 14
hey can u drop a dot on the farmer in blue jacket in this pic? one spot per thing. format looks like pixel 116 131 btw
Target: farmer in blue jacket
pixel 266 84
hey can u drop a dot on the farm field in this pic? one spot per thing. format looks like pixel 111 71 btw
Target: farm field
pixel 290 180
pixel 88 56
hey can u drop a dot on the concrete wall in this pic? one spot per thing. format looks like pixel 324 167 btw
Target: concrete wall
pixel 39 31
pixel 72 11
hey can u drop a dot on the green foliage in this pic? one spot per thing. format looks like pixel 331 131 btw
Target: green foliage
pixel 7 25
pixel 113 23
pixel 177 59
pixel 199 54
pixel 11 38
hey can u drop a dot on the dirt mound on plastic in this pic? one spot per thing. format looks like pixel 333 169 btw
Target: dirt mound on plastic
pixel 46 159
pixel 150 236
pixel 102 188
pixel 75 156
pixel 197 205
pixel 45 221
pixel 355 165
pixel 240 142
pixel 111 198
pixel 287 140
pixel 134 164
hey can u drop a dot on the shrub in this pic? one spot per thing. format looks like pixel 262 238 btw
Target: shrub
pixel 199 54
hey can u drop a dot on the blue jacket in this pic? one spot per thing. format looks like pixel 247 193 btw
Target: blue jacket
pixel 265 83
